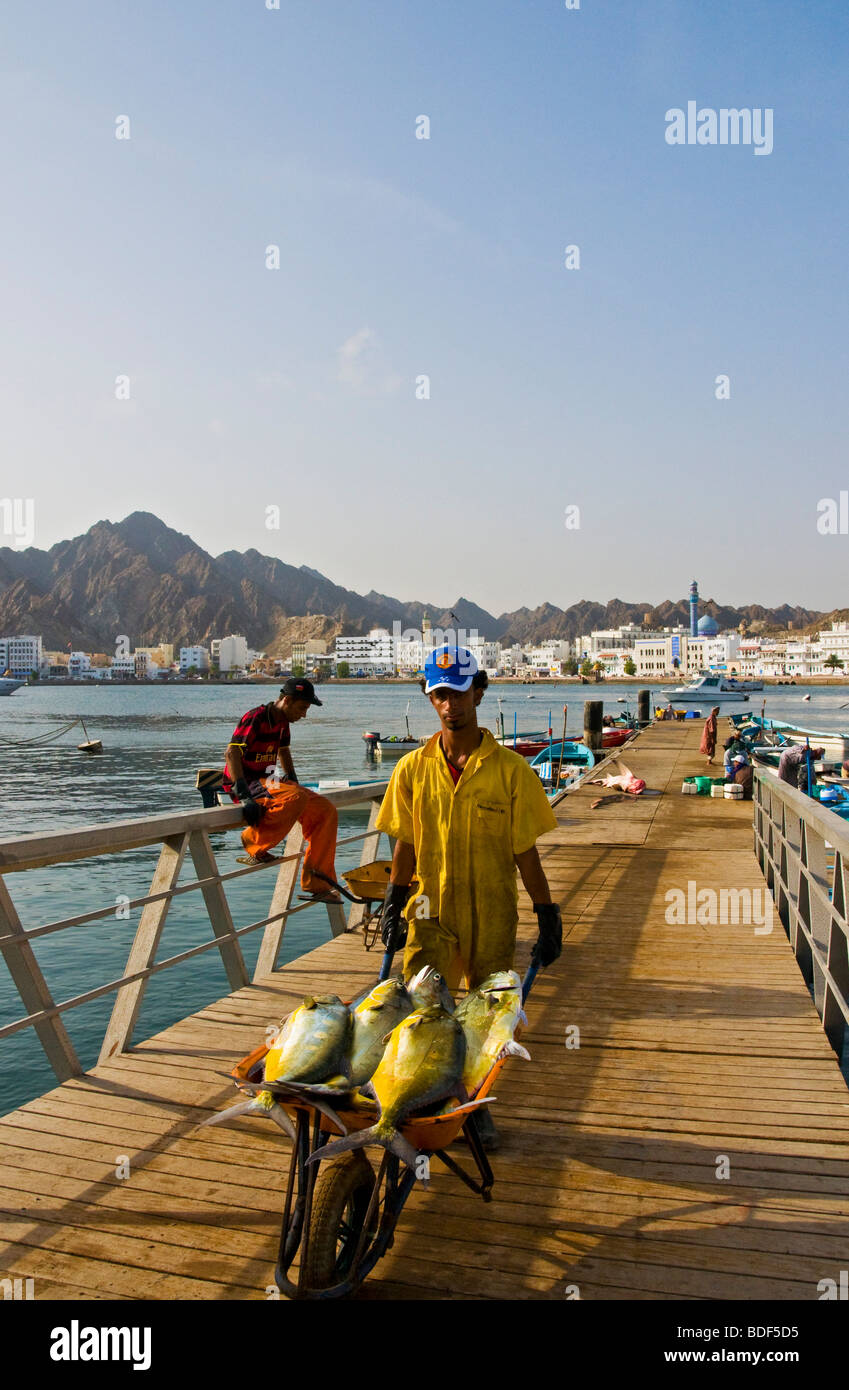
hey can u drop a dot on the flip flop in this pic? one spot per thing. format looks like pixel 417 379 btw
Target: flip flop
pixel 324 897
pixel 264 858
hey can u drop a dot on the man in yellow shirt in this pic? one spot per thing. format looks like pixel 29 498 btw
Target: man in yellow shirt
pixel 465 812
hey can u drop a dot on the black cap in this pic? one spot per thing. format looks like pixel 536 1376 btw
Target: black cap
pixel 300 689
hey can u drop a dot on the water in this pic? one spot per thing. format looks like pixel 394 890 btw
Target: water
pixel 155 738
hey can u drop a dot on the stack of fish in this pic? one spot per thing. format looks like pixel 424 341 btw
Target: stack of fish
pixel 402 1046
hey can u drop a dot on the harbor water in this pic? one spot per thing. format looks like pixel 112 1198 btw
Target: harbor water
pixel 154 740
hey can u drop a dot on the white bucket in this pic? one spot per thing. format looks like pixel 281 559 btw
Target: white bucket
pixel 688 788
pixel 717 791
pixel 733 791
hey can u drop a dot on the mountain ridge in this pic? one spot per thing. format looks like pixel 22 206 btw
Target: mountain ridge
pixel 141 578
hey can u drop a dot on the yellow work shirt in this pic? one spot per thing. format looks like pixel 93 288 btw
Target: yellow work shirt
pixel 465 839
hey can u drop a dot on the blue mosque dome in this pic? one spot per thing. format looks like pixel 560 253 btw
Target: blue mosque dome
pixel 707 626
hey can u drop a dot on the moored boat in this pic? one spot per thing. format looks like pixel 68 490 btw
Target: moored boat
pixel 777 731
pixel 8 685
pixel 563 763
pixel 708 687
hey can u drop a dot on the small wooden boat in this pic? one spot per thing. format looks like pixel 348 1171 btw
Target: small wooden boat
pixel 778 732
pixel 572 760
pixel 393 746
pixel 526 745
pixel 91 745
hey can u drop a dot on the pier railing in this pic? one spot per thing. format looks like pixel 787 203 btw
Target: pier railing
pixel 180 834
pixel 803 850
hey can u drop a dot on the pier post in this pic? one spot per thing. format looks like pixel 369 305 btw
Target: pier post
pixel 643 708
pixel 593 724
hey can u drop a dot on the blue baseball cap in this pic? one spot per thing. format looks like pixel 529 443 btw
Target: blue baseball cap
pixel 451 666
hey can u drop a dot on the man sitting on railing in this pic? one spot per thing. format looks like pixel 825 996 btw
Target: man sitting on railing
pixel 271 804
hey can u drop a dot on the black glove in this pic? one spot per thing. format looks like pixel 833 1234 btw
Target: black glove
pixel 393 927
pixel 251 809
pixel 549 943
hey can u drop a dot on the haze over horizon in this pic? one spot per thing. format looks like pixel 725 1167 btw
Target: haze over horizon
pixel 295 387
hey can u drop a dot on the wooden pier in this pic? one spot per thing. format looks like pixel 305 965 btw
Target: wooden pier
pixel 682 1131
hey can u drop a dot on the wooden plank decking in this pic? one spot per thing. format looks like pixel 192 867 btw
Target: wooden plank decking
pixel 695 1042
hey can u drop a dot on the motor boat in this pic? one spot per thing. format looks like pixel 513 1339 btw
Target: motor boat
pixel 711 689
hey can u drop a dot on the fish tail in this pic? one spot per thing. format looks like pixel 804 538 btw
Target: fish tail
pixel 273 1112
pixel 351 1141
pixel 403 1149
pixel 386 1136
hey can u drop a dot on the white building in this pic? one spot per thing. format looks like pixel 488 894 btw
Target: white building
pixel 513 660
pixel 372 655
pixel 194 656
pixel 487 655
pixel 122 667
pixel 612 639
pixel 546 659
pixel 834 643
pixel 79 664
pixel 232 652
pixel 21 656
pixel 144 667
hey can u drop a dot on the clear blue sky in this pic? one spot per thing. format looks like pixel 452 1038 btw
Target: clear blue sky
pixel 251 387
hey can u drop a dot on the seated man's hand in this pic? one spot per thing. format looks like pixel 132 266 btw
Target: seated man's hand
pixel 251 809
pixel 549 943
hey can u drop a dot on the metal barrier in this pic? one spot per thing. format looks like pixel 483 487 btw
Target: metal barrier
pixel 179 835
pixel 803 851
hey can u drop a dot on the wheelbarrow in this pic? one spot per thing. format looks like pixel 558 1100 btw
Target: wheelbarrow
pixel 340 1217
pixel 367 886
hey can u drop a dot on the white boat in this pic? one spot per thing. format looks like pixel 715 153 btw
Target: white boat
pixel 396 747
pixel 709 689
pixel 8 685
pixel 749 687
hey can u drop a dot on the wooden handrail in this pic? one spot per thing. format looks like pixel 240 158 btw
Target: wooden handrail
pixel 179 834
pixel 112 837
pixel 792 836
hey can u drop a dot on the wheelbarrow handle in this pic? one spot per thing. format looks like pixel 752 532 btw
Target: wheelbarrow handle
pixel 340 888
pixel 531 973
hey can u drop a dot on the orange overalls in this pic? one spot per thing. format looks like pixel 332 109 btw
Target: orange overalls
pixel 284 804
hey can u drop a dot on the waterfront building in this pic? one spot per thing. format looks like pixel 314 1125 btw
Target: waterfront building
pixel 678 653
pixel 608 639
pixel 371 655
pixel 194 656
pixel 21 655
pixel 79 665
pixel 835 642
pixel 232 652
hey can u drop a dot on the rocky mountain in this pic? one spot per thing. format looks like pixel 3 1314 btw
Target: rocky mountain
pixel 141 578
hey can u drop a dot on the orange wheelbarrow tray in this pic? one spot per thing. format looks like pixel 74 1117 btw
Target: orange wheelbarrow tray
pixel 367 887
pixel 341 1215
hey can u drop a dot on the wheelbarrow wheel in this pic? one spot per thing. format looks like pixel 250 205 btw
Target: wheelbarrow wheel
pixel 339 1208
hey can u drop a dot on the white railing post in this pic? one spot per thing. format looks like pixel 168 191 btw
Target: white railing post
pixel 32 987
pixel 791 835
pixel 128 1001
